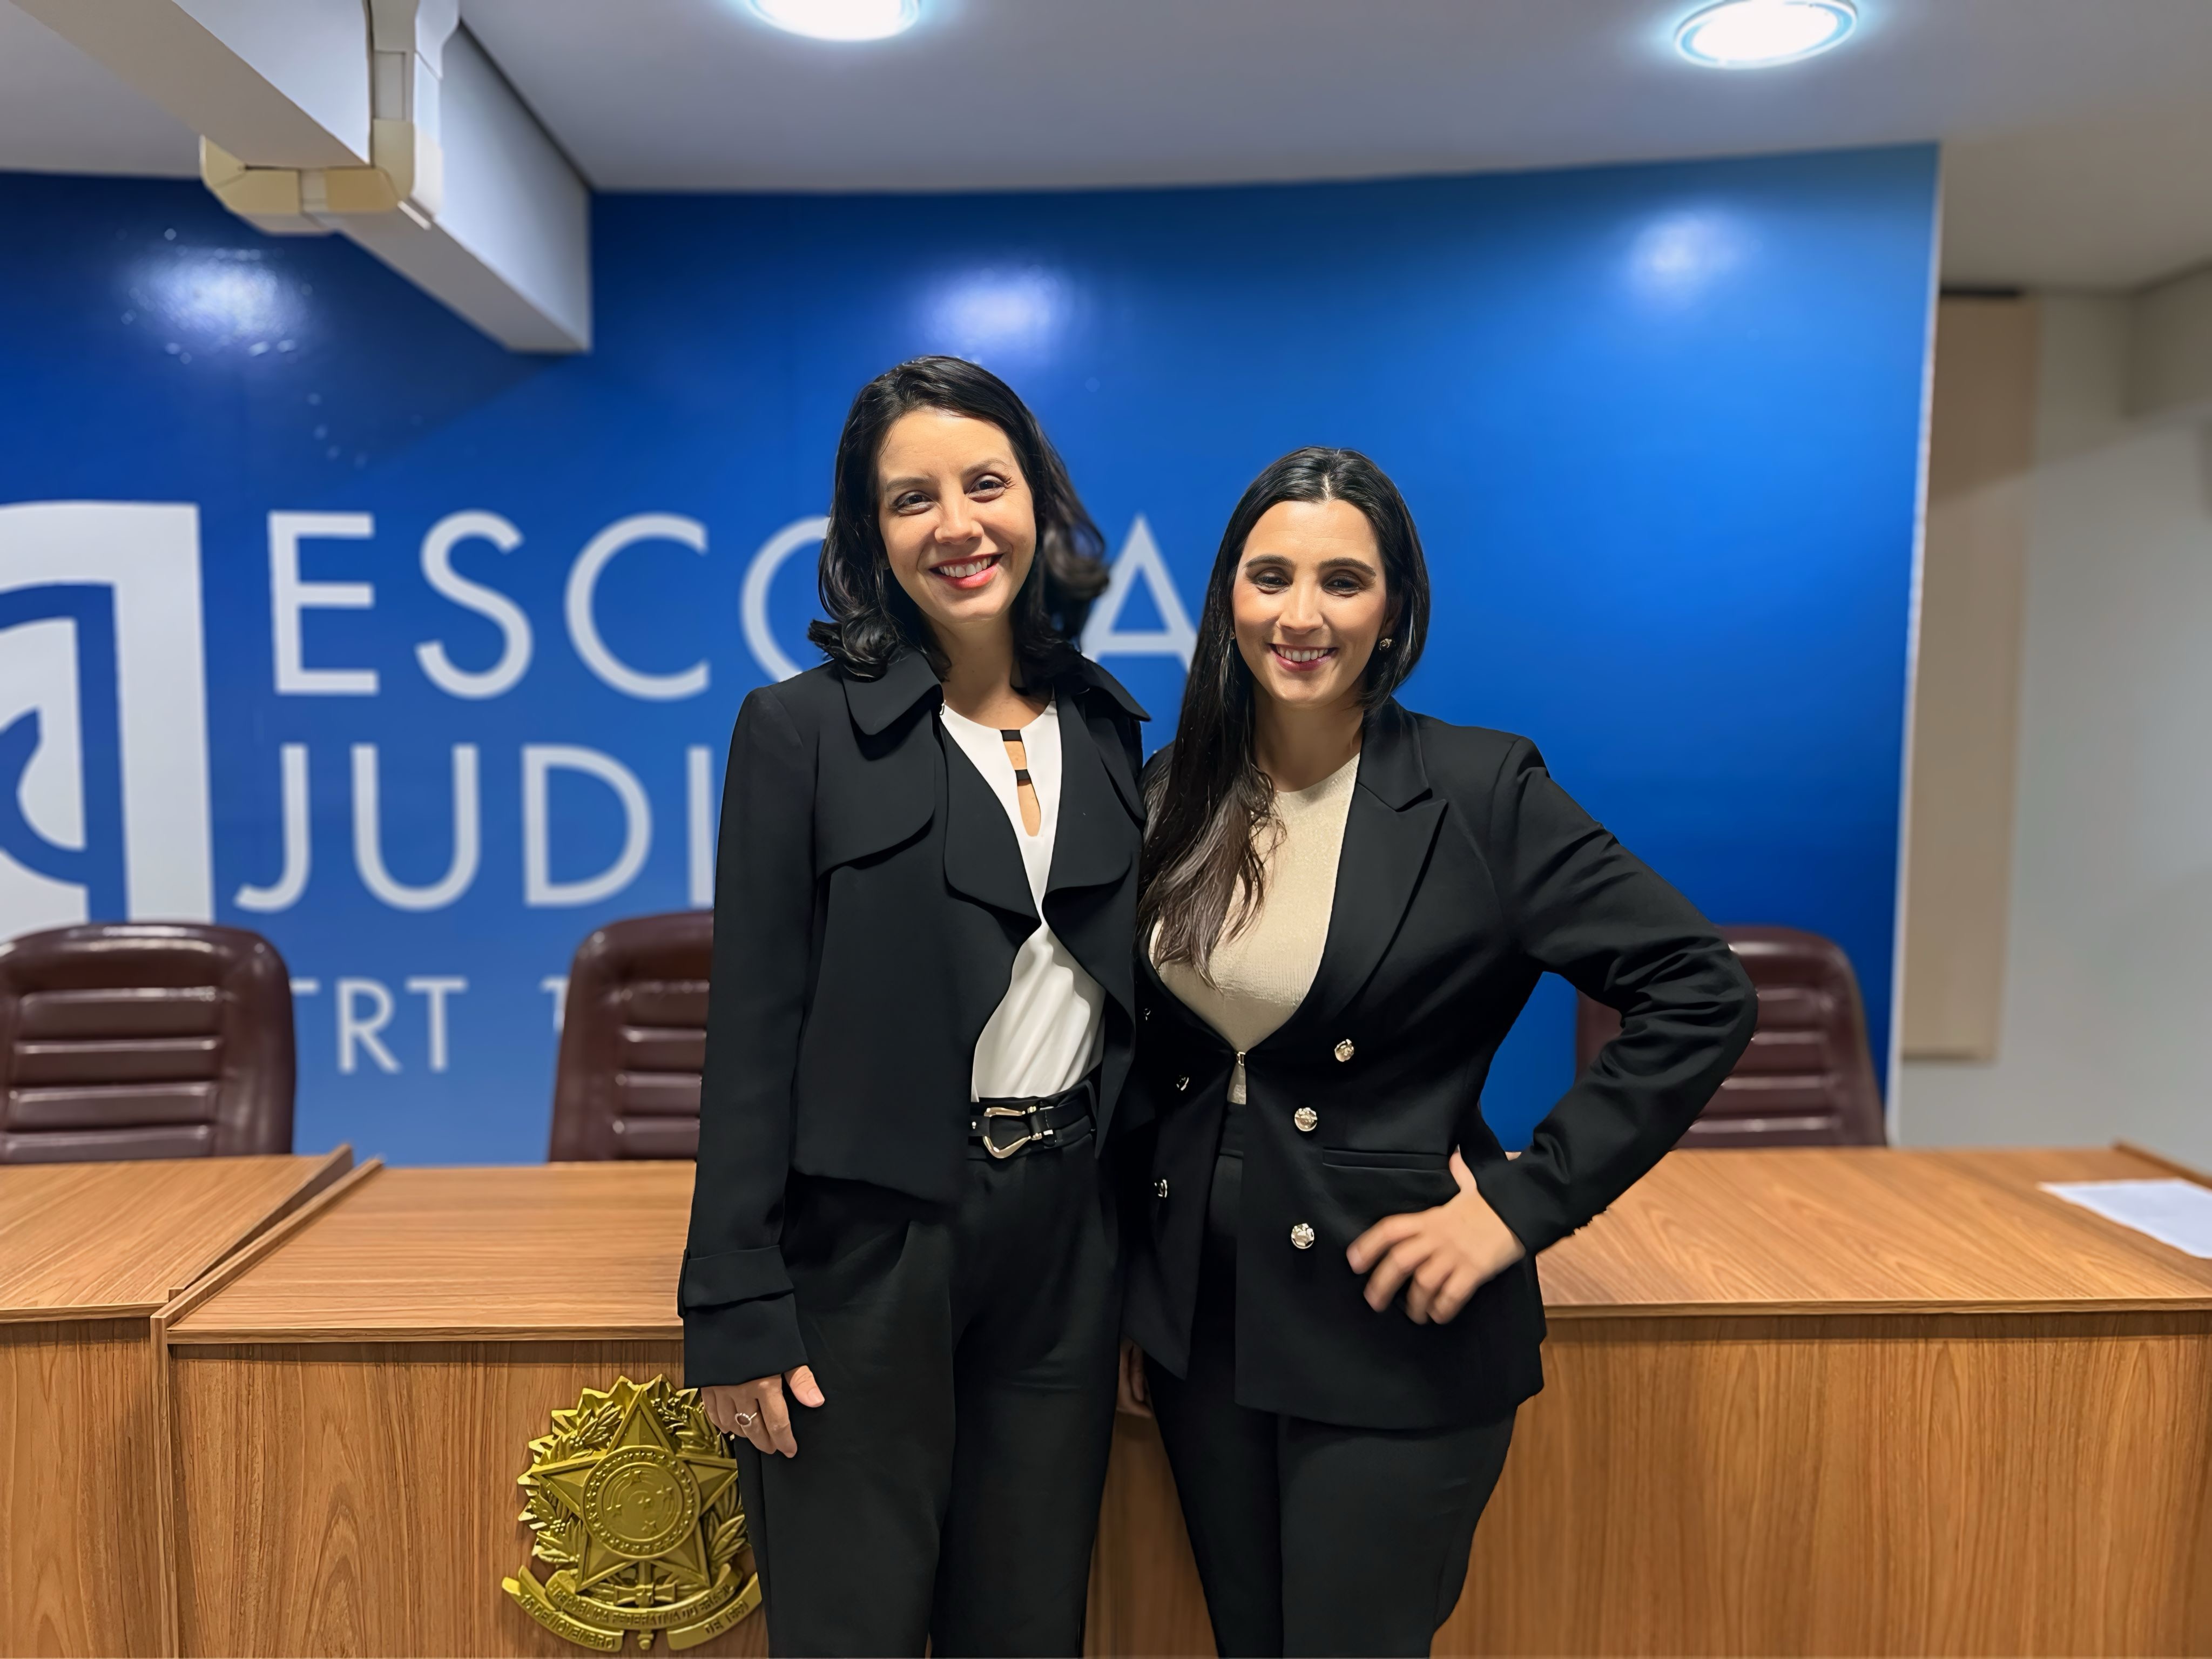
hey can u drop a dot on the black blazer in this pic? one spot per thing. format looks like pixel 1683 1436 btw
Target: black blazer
pixel 869 899
pixel 1466 873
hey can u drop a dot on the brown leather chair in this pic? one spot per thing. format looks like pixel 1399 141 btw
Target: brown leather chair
pixel 124 1039
pixel 1807 1079
pixel 633 1040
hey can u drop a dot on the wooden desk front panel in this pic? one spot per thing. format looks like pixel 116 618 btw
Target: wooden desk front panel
pixel 1145 1594
pixel 1926 1485
pixel 360 1499
pixel 1784 1481
pixel 80 1451
pixel 88 1254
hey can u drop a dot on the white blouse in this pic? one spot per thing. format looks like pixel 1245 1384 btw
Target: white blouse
pixel 1048 1030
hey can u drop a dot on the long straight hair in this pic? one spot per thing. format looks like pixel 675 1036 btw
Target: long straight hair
pixel 1202 877
pixel 871 617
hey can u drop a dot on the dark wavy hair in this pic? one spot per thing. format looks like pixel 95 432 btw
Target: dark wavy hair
pixel 870 619
pixel 1207 807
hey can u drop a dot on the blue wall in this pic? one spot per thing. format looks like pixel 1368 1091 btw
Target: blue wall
pixel 1660 426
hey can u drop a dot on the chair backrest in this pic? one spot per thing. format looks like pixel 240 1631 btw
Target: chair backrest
pixel 124 1040
pixel 1808 1078
pixel 633 1040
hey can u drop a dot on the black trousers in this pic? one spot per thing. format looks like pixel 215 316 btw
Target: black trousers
pixel 1312 1539
pixel 948 1489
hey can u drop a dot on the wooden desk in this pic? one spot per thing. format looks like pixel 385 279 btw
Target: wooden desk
pixel 354 1400
pixel 1820 1401
pixel 89 1255
pixel 1862 1401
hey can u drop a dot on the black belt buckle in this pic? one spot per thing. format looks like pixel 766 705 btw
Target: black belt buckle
pixel 1027 1114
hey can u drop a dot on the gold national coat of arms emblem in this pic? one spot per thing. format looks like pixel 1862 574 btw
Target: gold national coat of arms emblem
pixel 634 1500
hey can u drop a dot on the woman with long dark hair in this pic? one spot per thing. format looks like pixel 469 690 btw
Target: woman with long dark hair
pixel 1343 907
pixel 900 1287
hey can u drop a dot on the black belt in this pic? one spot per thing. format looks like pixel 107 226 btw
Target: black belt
pixel 1045 1121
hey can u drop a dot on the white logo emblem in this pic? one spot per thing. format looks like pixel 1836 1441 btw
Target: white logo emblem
pixel 103 721
pixel 1140 562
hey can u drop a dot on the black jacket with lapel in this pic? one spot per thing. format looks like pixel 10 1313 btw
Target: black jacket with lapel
pixel 1466 873
pixel 869 899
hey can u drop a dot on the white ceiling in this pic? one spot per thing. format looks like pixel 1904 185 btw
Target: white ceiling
pixel 2078 132
pixel 62 113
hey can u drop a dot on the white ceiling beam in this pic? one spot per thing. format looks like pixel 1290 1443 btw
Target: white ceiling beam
pixel 284 82
pixel 388 124
pixel 509 247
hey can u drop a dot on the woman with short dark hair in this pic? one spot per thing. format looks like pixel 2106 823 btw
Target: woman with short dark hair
pixel 1343 907
pixel 900 1287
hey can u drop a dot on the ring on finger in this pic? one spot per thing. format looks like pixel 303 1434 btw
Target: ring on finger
pixel 745 1420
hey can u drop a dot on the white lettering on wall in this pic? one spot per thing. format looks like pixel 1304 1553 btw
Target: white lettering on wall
pixel 288 596
pixel 292 880
pixel 368 838
pixel 699 800
pixel 514 626
pixel 437 988
pixel 760 576
pixel 539 761
pixel 583 593
pixel 356 1029
pixel 365 1010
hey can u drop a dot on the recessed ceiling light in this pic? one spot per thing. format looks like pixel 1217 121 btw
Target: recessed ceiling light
pixel 1755 33
pixel 840 19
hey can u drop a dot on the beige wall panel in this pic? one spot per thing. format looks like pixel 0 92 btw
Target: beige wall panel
pixel 360 1499
pixel 1965 704
pixel 2104 980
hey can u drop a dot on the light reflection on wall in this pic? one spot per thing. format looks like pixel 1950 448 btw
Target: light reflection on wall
pixel 204 299
pixel 1000 314
pixel 1677 258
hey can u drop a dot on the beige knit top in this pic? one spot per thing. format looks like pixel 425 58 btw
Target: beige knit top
pixel 1259 976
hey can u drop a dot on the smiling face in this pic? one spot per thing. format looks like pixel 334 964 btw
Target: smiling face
pixel 958 522
pixel 1309 603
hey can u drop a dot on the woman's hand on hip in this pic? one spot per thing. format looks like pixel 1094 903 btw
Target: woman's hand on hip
pixel 759 1411
pixel 1442 1256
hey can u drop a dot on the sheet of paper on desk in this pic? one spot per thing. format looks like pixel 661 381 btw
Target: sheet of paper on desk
pixel 2176 1213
